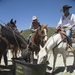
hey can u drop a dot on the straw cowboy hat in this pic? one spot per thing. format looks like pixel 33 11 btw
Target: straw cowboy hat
pixel 34 18
pixel 65 7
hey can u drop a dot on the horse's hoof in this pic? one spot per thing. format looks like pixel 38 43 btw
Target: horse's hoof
pixel 65 71
pixel 50 71
pixel 74 71
pixel 31 62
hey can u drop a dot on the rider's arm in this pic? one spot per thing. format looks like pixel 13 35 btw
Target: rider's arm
pixel 73 20
pixel 32 28
pixel 59 24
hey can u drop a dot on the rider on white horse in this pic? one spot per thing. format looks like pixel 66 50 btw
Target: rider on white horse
pixel 67 21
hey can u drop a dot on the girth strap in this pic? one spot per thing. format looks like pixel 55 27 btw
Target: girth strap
pixel 57 44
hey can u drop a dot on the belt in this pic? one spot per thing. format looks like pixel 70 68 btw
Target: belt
pixel 64 27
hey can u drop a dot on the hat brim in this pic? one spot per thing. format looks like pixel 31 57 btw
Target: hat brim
pixel 65 8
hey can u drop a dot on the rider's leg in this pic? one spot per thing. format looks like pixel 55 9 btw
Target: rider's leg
pixel 69 36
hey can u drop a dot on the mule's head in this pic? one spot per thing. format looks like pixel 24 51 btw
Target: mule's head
pixel 11 23
pixel 42 56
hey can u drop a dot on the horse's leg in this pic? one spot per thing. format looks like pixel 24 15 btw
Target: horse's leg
pixel 0 58
pixel 5 58
pixel 18 52
pixel 12 53
pixel 31 57
pixel 55 57
pixel 74 58
pixel 64 60
pixel 15 52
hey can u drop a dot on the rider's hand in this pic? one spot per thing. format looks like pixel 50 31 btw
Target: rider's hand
pixel 69 27
pixel 56 28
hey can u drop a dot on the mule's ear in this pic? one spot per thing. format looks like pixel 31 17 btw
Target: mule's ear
pixel 40 47
pixel 15 21
pixel 11 20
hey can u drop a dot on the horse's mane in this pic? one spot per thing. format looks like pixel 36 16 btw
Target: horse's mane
pixel 44 26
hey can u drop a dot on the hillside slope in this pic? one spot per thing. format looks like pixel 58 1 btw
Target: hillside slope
pixel 51 31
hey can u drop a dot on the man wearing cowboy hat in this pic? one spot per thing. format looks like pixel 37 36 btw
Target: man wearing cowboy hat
pixel 35 24
pixel 67 22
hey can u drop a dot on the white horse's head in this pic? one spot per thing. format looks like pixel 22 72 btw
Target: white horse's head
pixel 42 55
pixel 50 44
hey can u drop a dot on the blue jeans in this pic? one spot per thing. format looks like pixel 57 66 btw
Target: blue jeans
pixel 69 35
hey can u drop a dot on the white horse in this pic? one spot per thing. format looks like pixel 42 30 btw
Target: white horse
pixel 61 48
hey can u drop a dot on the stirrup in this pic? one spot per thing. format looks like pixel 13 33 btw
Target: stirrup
pixel 70 48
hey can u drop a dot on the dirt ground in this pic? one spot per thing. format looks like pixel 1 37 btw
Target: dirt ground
pixel 59 66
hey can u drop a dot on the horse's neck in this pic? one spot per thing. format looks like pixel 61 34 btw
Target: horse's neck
pixel 52 41
pixel 37 40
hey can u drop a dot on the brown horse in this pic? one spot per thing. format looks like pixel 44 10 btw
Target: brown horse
pixel 9 39
pixel 36 39
pixel 15 50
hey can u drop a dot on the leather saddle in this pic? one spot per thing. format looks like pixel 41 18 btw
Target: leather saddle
pixel 64 37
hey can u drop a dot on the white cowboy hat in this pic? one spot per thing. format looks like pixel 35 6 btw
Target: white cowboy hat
pixel 34 18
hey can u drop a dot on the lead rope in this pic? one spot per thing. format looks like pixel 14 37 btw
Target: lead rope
pixel 15 38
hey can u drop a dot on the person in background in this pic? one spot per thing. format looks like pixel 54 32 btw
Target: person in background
pixel 67 22
pixel 34 25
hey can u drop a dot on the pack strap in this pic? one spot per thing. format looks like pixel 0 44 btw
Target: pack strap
pixel 4 39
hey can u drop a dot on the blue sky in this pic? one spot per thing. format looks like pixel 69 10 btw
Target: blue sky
pixel 47 11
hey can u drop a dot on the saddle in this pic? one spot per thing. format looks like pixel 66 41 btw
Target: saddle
pixel 64 37
pixel 73 37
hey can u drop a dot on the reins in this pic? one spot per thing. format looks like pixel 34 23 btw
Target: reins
pixel 15 38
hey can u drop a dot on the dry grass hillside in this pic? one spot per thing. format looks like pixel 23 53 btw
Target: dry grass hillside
pixel 51 31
